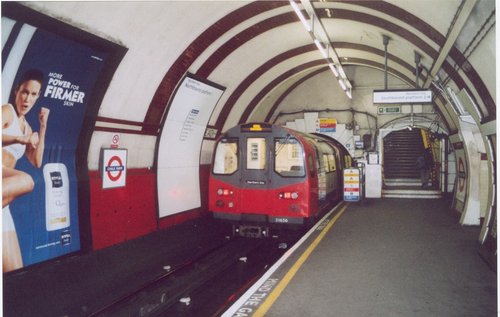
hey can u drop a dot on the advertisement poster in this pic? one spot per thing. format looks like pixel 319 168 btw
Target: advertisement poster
pixel 43 218
pixel 180 145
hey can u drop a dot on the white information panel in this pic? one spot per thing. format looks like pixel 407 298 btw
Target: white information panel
pixel 373 181
pixel 114 168
pixel 180 145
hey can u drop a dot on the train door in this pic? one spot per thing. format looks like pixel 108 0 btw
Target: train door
pixel 255 174
pixel 336 170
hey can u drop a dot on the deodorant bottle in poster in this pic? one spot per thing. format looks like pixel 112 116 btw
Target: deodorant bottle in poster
pixel 56 179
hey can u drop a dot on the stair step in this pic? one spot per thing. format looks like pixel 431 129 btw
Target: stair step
pixel 411 193
pixel 401 177
pixel 402 182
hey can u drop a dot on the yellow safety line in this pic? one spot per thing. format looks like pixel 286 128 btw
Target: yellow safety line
pixel 269 301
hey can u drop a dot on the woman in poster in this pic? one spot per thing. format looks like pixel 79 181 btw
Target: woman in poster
pixel 18 139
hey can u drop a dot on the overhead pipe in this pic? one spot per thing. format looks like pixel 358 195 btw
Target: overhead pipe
pixel 417 68
pixel 385 41
pixel 417 74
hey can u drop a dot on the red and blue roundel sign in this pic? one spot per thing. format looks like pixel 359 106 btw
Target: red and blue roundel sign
pixel 114 168
pixel 462 175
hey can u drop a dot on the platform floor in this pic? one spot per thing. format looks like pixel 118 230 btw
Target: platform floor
pixel 385 257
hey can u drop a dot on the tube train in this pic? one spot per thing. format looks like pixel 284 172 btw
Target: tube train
pixel 267 177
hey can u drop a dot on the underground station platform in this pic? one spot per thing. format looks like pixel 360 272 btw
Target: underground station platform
pixel 376 257
pixel 379 257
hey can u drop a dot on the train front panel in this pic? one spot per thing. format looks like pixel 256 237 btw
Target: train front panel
pixel 261 175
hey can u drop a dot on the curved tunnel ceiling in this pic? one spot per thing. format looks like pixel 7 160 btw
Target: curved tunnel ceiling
pixel 362 46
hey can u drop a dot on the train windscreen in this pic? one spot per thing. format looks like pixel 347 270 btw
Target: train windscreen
pixel 226 157
pixel 289 157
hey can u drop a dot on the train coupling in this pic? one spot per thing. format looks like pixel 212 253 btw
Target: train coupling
pixel 250 231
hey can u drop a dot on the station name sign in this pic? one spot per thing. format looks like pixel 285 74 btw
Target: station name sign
pixel 402 96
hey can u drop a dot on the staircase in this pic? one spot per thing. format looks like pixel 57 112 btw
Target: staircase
pixel 401 177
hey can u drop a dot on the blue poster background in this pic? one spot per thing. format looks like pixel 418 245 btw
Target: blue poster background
pixel 70 71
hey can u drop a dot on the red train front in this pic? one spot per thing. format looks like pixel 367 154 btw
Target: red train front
pixel 264 176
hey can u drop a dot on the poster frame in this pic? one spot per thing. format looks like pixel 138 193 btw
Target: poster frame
pixel 24 14
pixel 162 127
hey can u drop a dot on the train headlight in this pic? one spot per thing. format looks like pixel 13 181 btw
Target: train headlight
pixel 219 203
pixel 224 192
pixel 288 195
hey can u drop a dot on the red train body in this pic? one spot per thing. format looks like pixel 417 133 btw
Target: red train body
pixel 266 176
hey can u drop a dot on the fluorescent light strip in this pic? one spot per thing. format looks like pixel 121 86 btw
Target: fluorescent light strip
pixel 344 82
pixel 342 73
pixel 300 15
pixel 321 48
pixel 334 69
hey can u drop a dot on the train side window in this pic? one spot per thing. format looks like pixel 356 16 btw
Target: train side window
pixel 256 153
pixel 347 160
pixel 226 157
pixel 332 163
pixel 289 157
pixel 325 164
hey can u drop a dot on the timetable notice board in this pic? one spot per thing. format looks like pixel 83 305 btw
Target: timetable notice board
pixel 352 184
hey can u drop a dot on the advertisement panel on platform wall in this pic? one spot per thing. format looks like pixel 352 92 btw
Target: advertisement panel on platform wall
pixel 44 219
pixel 180 145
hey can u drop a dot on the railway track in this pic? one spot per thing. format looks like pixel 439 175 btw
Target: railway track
pixel 205 285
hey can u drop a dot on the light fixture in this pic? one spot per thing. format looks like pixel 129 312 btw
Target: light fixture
pixel 301 16
pixel 342 84
pixel 322 41
pixel 348 93
pixel 342 73
pixel 320 47
pixel 334 69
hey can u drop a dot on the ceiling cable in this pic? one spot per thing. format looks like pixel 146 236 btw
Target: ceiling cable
pixel 320 37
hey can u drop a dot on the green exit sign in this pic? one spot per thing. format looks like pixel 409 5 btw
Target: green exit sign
pixel 389 110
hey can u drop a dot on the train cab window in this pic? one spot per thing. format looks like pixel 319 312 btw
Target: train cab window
pixel 289 157
pixel 226 157
pixel 256 153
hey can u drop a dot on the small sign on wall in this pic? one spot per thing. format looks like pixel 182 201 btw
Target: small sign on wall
pixel 326 125
pixel 113 168
pixel 211 133
pixel 373 158
pixel 115 141
pixel 389 110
